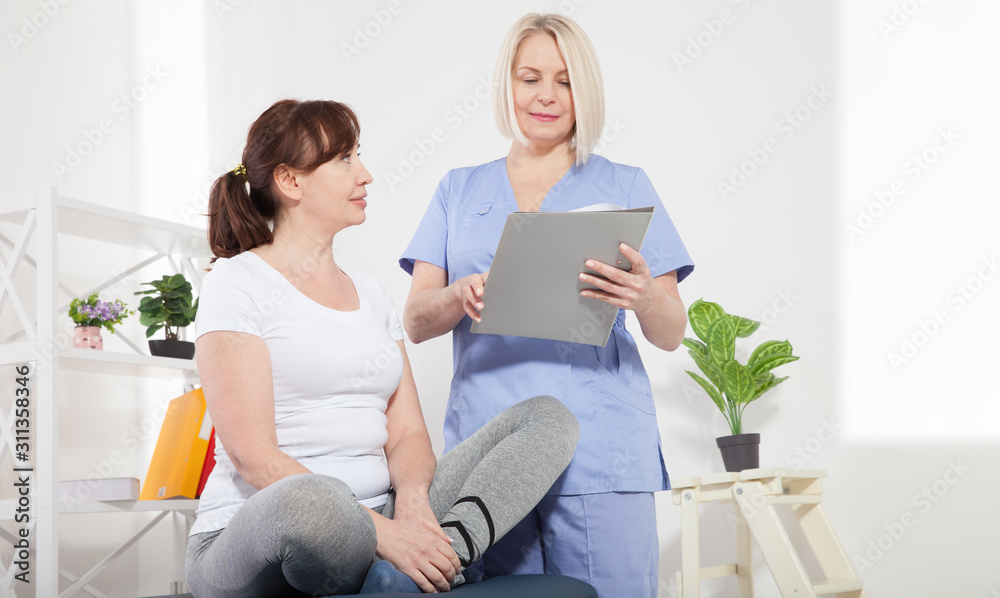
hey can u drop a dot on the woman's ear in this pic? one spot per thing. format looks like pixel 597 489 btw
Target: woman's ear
pixel 286 181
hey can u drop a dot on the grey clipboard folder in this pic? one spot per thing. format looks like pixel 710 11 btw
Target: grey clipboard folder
pixel 533 287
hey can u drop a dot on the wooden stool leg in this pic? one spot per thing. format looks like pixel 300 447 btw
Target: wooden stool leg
pixel 744 557
pixel 690 586
pixel 773 541
pixel 824 543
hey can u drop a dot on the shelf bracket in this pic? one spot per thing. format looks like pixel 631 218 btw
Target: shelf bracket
pixel 86 577
pixel 31 262
pixel 8 270
pixel 89 589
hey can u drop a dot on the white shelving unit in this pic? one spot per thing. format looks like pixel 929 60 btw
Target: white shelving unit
pixel 43 217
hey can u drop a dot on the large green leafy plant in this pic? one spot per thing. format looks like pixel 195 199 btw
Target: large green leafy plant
pixel 732 385
pixel 168 305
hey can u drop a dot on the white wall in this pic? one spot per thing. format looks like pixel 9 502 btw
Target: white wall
pixel 775 248
pixel 64 68
pixel 920 88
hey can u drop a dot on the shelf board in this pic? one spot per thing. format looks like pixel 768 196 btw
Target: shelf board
pixel 90 221
pixel 17 352
pixel 123 364
pixel 130 506
pixel 100 223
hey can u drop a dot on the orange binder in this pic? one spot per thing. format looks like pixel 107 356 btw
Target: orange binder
pixel 180 449
pixel 209 465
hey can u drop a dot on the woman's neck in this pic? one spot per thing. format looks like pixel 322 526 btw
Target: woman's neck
pixel 295 246
pixel 538 157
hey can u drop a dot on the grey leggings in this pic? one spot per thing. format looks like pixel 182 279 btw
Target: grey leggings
pixel 307 535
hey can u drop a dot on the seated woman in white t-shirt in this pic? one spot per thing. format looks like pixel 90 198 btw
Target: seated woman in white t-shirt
pixel 324 464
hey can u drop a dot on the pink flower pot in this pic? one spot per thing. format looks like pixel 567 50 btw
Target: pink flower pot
pixel 88 337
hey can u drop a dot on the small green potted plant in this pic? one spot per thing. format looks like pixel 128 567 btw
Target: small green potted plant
pixel 168 305
pixel 730 384
pixel 92 314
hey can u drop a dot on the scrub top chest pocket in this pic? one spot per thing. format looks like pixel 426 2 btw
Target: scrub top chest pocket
pixel 478 226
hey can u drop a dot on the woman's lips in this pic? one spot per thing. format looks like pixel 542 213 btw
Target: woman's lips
pixel 361 201
pixel 543 117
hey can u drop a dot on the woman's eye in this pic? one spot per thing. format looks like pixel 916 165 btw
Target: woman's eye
pixel 564 83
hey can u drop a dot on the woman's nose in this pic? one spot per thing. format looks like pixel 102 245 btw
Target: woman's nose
pixel 364 177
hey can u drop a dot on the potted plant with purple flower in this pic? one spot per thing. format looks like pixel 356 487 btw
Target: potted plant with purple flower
pixel 93 314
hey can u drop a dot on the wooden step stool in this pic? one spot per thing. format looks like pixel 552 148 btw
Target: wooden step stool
pixel 756 492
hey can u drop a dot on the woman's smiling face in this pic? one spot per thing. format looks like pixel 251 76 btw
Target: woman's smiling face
pixel 543 100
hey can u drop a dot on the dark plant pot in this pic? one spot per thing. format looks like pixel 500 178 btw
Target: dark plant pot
pixel 740 452
pixel 172 348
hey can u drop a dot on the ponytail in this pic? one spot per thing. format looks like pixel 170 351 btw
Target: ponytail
pixel 235 222
pixel 243 203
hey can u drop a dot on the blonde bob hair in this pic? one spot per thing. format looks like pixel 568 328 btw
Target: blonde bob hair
pixel 586 83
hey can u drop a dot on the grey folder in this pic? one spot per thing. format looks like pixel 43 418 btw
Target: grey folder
pixel 533 287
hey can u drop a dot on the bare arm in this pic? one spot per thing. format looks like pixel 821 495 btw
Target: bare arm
pixel 663 322
pixel 434 307
pixel 655 301
pixel 412 540
pixel 408 449
pixel 235 372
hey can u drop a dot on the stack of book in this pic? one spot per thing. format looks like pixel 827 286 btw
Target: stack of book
pixel 98 489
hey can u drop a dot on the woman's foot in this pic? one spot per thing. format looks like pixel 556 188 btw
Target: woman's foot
pixel 382 576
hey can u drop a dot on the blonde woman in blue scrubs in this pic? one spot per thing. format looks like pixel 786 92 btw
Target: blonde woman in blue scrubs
pixel 598 521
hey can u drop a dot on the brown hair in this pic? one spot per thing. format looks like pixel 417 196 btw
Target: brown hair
pixel 300 135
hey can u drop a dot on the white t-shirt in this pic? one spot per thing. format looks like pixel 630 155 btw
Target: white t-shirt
pixel 333 373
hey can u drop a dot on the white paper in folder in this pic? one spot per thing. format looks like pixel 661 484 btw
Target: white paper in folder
pixel 533 288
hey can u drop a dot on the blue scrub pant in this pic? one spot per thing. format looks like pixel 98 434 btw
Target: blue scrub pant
pixel 607 540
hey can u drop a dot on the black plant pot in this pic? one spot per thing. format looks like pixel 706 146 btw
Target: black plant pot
pixel 172 348
pixel 740 452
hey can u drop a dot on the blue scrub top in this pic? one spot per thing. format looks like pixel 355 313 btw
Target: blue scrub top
pixel 606 388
